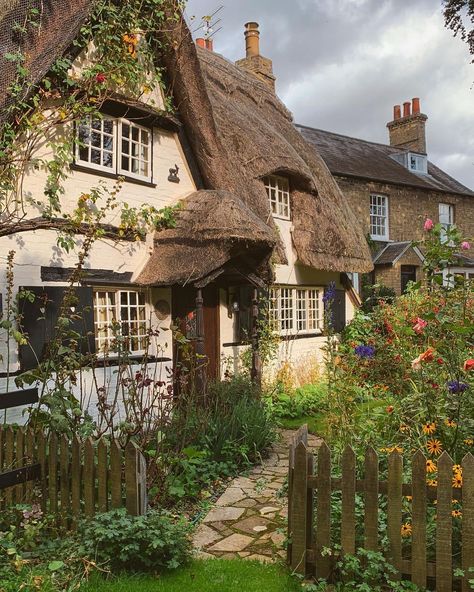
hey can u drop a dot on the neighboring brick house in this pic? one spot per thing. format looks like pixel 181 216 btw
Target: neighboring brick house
pixel 392 189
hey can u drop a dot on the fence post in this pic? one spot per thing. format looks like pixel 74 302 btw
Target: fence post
pixel 64 475
pixel 135 480
pixel 394 510
pixel 102 473
pixel 299 511
pixel 116 474
pixel 467 519
pixel 76 478
pixel 53 473
pixel 9 456
pixel 291 465
pixel 418 559
pixel 20 462
pixel 323 513
pixel 89 478
pixel 444 569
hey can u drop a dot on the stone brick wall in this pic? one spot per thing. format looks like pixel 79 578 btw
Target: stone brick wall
pixel 408 207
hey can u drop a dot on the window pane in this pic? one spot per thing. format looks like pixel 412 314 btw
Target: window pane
pixel 125 130
pixel 95 156
pixel 278 191
pixel 107 159
pixel 84 153
pixel 135 134
pixel 96 124
pixel 125 163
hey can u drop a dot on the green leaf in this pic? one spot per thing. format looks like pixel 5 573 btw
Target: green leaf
pixel 55 565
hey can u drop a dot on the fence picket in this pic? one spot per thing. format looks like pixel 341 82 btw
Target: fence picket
pixel 371 499
pixel 418 560
pixel 444 525
pixel 467 519
pixel 116 474
pixel 309 505
pixel 323 513
pixel 348 501
pixel 9 460
pixel 53 473
pixel 41 455
pixel 394 510
pixel 30 459
pixel 89 478
pixel 76 474
pixel 298 512
pixel 2 444
pixel 64 481
pixel 102 490
pixel 20 462
pixel 291 464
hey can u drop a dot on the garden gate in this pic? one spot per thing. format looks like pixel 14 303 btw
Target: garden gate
pixel 310 529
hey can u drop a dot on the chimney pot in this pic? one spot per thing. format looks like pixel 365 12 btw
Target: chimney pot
pixel 406 109
pixel 415 105
pixel 397 112
pixel 210 44
pixel 252 39
pixel 201 42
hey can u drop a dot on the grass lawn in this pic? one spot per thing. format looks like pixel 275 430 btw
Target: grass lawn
pixel 211 575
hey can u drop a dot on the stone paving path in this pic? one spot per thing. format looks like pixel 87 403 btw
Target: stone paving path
pixel 249 518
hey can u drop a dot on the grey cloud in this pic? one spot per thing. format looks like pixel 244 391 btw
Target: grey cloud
pixel 342 64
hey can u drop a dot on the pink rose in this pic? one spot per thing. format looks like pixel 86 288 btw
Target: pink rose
pixel 465 245
pixel 419 325
pixel 428 224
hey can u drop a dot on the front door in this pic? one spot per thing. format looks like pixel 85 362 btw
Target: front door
pixel 184 310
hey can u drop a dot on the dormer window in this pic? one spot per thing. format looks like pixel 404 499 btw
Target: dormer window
pixel 417 163
pixel 115 145
pixel 278 191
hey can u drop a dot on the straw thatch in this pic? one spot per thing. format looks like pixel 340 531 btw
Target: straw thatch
pixel 249 130
pixel 214 229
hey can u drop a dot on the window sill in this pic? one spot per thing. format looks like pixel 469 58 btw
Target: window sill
pixel 98 173
pixel 380 239
pixel 276 217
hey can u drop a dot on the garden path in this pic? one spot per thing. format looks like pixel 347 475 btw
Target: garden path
pixel 249 519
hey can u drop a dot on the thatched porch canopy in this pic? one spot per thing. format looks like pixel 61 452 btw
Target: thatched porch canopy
pixel 214 230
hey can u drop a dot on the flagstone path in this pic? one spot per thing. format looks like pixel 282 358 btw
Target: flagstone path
pixel 248 519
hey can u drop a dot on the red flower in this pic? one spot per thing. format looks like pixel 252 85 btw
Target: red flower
pixel 100 78
pixel 389 409
pixel 469 365
pixel 440 361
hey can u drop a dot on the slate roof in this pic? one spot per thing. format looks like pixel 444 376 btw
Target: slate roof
pixel 353 157
pixel 392 252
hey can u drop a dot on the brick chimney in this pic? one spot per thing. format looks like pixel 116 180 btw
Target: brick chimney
pixel 408 132
pixel 205 43
pixel 259 66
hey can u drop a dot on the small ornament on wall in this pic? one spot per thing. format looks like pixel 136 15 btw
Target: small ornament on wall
pixel 173 176
pixel 162 309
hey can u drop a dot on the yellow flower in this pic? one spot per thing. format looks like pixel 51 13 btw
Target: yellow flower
pixel 430 466
pixel 450 423
pixel 404 428
pixel 434 447
pixel 429 427
pixel 469 441
pixel 406 529
pixel 395 449
pixel 409 498
pixel 457 480
pixel 432 482
pixel 456 513
pixel 457 469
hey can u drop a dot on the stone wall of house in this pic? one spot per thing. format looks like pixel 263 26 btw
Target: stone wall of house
pixel 408 207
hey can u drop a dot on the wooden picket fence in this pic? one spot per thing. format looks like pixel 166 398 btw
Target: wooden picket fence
pixel 69 477
pixel 309 519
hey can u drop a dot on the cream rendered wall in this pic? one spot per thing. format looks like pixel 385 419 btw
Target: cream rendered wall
pixel 300 353
pixel 36 249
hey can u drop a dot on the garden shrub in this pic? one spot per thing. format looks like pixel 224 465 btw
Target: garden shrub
pixel 152 542
pixel 306 400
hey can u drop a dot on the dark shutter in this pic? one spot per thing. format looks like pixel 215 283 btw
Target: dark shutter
pixel 39 319
pixel 339 310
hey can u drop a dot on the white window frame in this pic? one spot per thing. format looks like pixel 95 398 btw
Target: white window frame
pixel 287 315
pixel 80 144
pixel 446 218
pixel 116 168
pixel 379 201
pixel 420 161
pixel 278 192
pixel 114 313
pixel 121 154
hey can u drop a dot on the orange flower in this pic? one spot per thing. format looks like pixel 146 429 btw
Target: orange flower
pixel 456 513
pixel 457 480
pixel 434 447
pixel 430 466
pixel 457 469
pixel 469 365
pixel 432 482
pixel 426 356
pixel 450 423
pixel 469 441
pixel 406 530
pixel 429 427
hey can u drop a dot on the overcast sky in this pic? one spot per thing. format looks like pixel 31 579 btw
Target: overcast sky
pixel 341 65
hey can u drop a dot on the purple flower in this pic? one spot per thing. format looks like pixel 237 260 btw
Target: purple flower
pixel 329 293
pixel 365 351
pixel 455 387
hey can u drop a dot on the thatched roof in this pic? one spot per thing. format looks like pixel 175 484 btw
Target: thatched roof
pixel 239 132
pixel 214 229
pixel 250 130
